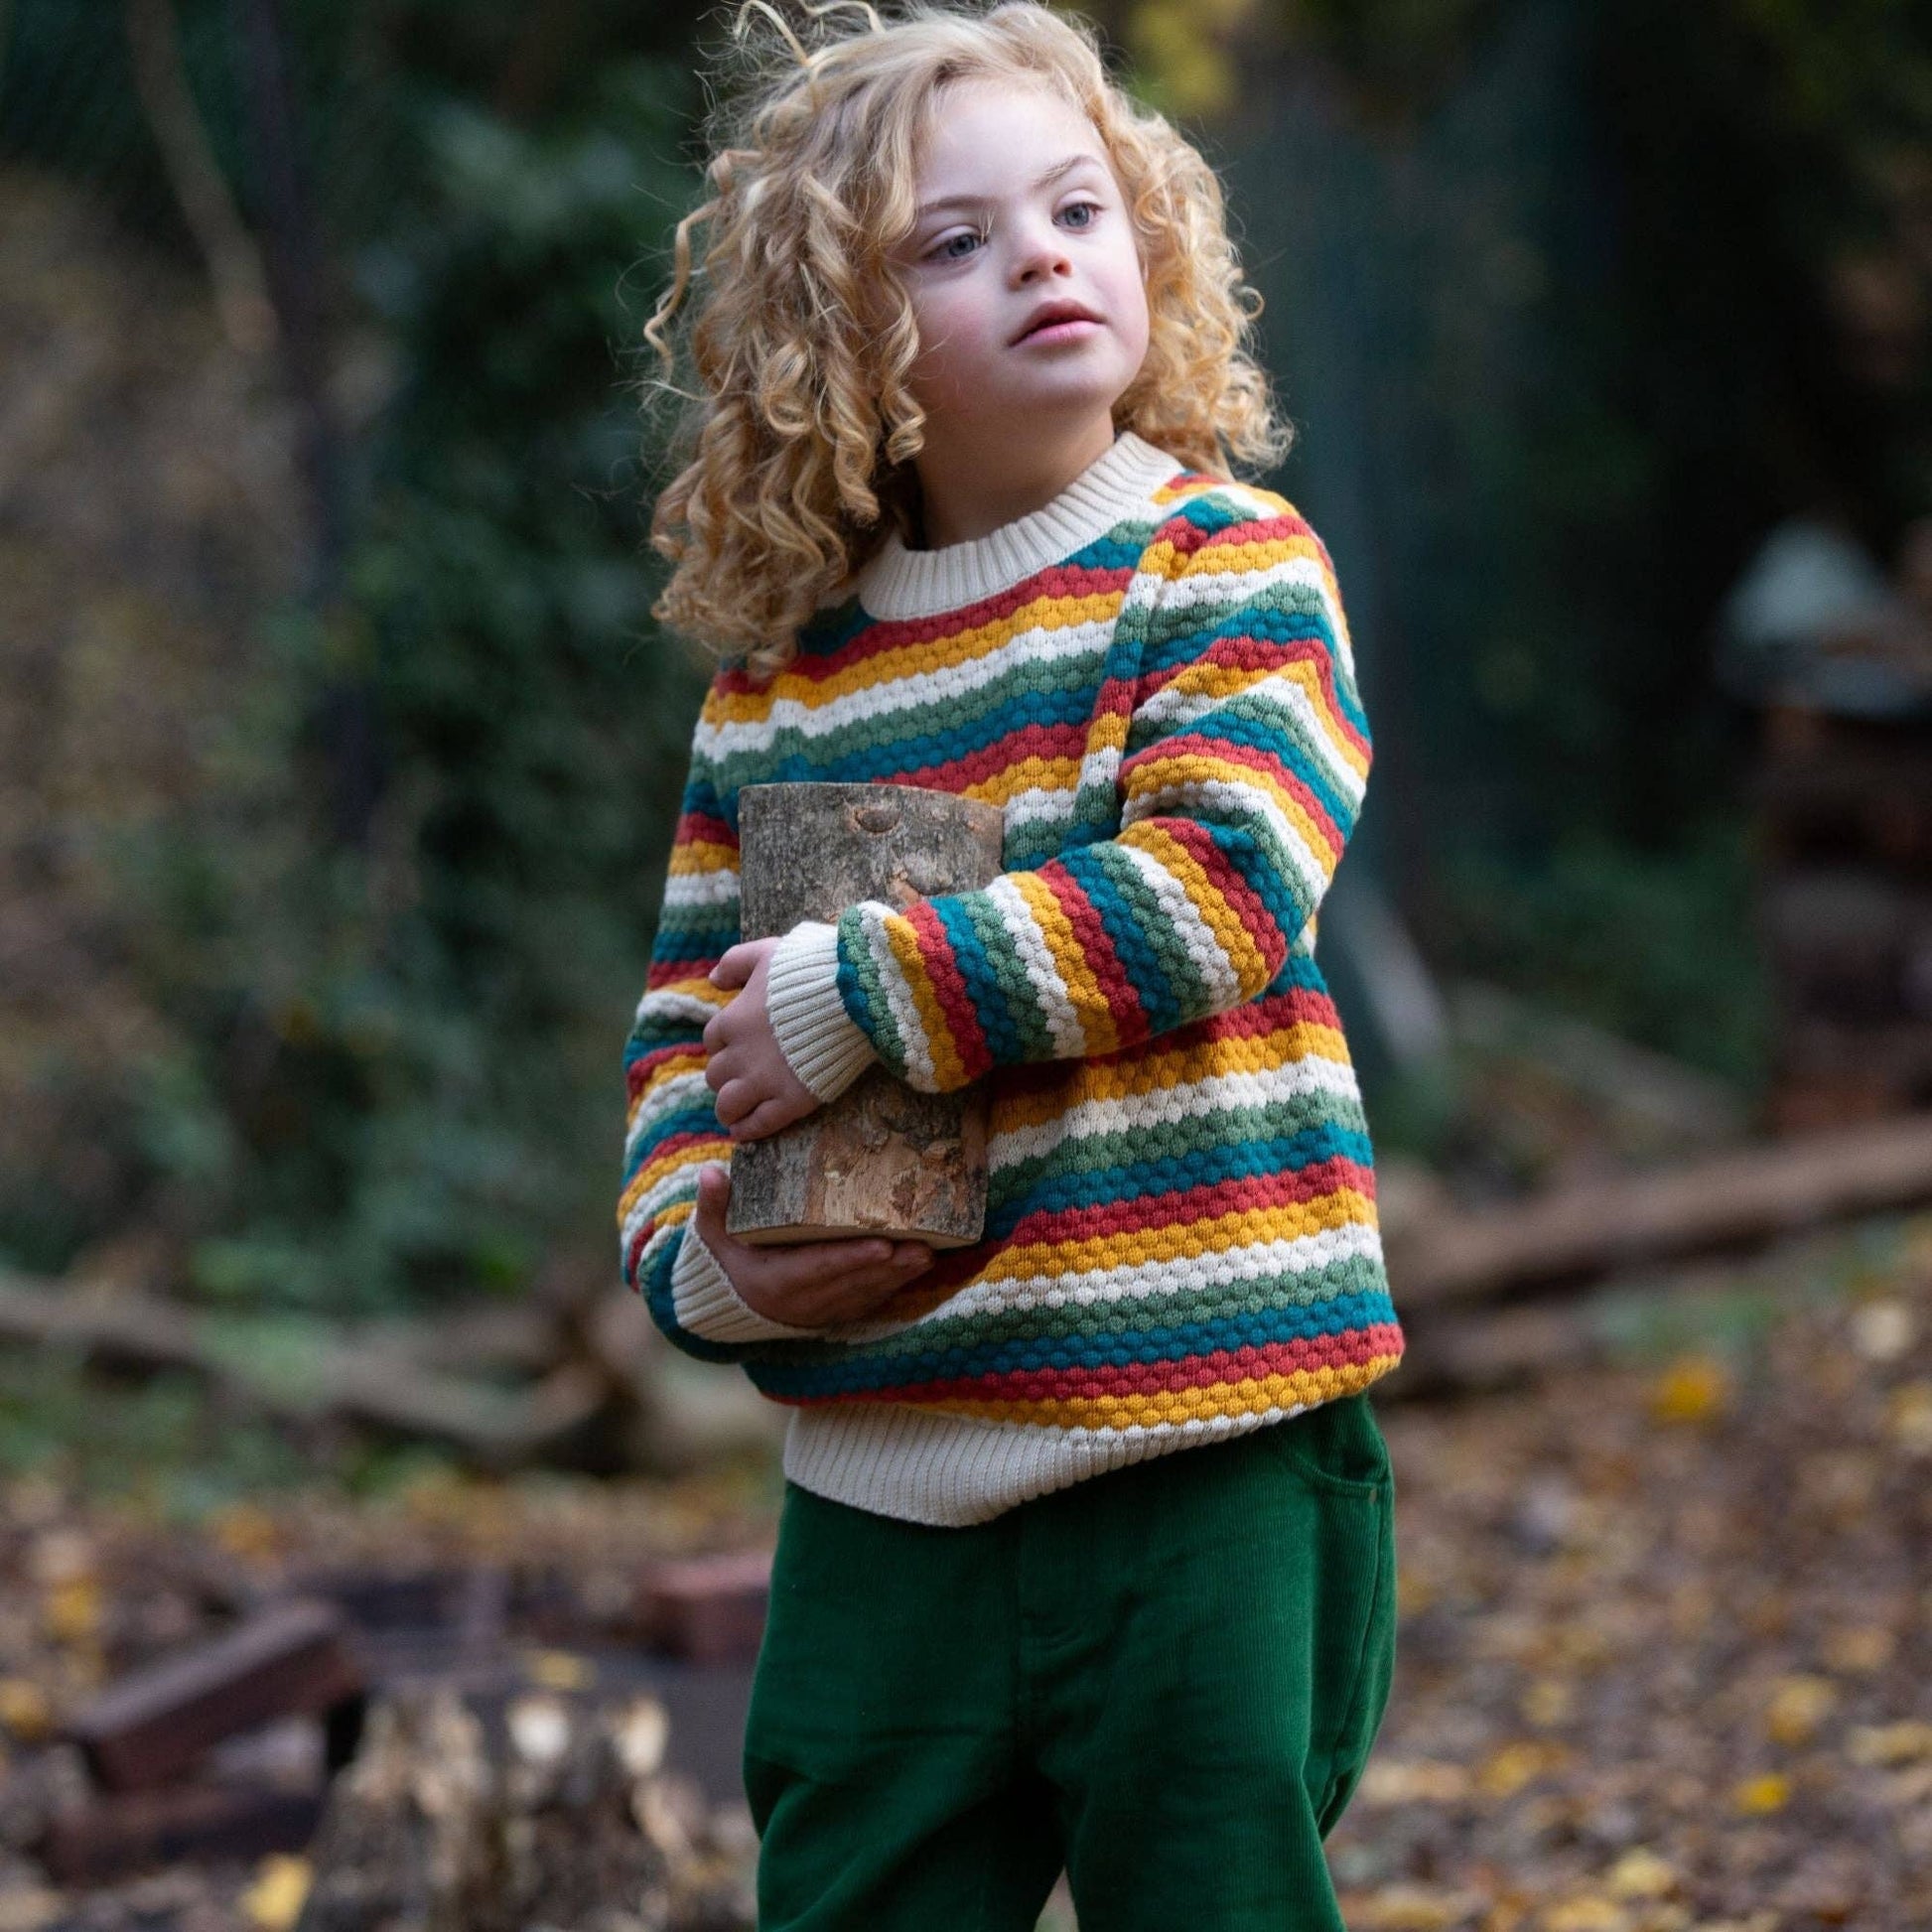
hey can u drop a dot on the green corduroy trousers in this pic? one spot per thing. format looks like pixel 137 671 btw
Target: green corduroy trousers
pixel 1166 1679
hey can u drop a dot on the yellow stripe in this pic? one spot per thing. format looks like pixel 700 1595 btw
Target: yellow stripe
pixel 1155 1072
pixel 1197 769
pixel 1095 1016
pixel 1254 1396
pixel 1221 682
pixel 702 855
pixel 1183 1240
pixel 948 1067
pixel 1220 919
pixel 693 1154
pixel 1046 612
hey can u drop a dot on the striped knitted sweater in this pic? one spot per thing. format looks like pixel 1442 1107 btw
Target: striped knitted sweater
pixel 1152 676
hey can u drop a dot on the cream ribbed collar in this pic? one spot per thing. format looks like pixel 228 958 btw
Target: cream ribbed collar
pixel 901 583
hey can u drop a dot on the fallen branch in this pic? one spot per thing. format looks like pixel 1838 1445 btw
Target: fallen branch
pixel 376 1387
pixel 1735 1198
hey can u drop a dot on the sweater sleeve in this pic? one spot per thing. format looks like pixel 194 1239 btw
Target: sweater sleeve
pixel 1243 763
pixel 671 1124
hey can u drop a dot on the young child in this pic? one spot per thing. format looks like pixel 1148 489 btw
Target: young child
pixel 1086 1557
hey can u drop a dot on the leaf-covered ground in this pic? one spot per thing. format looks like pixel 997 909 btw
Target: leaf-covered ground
pixel 1664 1662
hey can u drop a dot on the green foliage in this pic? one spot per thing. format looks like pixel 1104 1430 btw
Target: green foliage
pixel 405 1079
pixel 1661 948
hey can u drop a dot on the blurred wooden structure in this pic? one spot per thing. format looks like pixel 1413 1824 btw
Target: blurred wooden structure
pixel 1845 815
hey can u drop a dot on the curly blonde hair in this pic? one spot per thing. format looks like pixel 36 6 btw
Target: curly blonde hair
pixel 797 446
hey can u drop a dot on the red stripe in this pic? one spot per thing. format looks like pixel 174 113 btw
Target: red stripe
pixel 1225 876
pixel 1282 774
pixel 884 635
pixel 992 760
pixel 703 828
pixel 642 1071
pixel 1286 1187
pixel 1090 934
pixel 950 988
pixel 667 972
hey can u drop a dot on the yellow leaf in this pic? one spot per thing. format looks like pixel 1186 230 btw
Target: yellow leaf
pixel 281 1888
pixel 1641 1873
pixel 1799 1704
pixel 246 1530
pixel 1507 1770
pixel 1908 1417
pixel 1423 1780
pixel 71 1611
pixel 1769 1792
pixel 1585 1912
pixel 24 1711
pixel 560 1670
pixel 1895 1744
pixel 1410 1908
pixel 1691 1389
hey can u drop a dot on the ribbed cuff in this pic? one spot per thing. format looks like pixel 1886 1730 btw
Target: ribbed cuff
pixel 820 1040
pixel 704 1300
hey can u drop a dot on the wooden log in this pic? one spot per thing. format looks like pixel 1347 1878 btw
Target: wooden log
pixel 883 1157
pixel 369 1385
pixel 1740 1198
pixel 292 1658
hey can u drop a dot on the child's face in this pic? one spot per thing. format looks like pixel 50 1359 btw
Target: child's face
pixel 979 271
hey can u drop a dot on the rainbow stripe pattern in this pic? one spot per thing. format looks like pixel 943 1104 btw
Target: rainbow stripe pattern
pixel 1181 1233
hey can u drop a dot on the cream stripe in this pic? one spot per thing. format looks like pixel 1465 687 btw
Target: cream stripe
pixel 1051 994
pixel 1063 646
pixel 1146 1280
pixel 1183 919
pixel 1173 709
pixel 1193 1100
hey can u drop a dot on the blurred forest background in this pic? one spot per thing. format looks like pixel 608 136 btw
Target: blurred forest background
pixel 338 762
pixel 338 752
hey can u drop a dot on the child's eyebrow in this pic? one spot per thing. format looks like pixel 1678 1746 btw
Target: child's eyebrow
pixel 1047 180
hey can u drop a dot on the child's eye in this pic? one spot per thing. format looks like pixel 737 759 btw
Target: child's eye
pixel 944 251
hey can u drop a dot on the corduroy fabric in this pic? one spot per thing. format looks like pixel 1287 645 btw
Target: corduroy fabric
pixel 1181 1242
pixel 1168 1680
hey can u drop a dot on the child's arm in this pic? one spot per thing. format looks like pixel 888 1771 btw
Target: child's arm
pixel 1246 755
pixel 673 1137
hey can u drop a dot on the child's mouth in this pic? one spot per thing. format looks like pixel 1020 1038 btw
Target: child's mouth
pixel 1068 331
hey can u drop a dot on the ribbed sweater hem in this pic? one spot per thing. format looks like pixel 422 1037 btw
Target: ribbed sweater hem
pixel 952 1470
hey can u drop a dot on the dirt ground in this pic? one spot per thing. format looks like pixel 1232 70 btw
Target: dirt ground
pixel 1664 1660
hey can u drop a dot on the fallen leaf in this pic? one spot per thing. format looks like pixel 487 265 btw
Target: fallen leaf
pixel 1640 1873
pixel 1771 1791
pixel 1889 1744
pixel 281 1888
pixel 1799 1704
pixel 1691 1389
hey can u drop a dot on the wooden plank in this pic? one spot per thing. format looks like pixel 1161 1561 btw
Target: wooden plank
pixel 151 1725
pixel 110 1837
pixel 707 1609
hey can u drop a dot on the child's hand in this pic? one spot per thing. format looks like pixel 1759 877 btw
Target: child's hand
pixel 756 1091
pixel 807 1283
